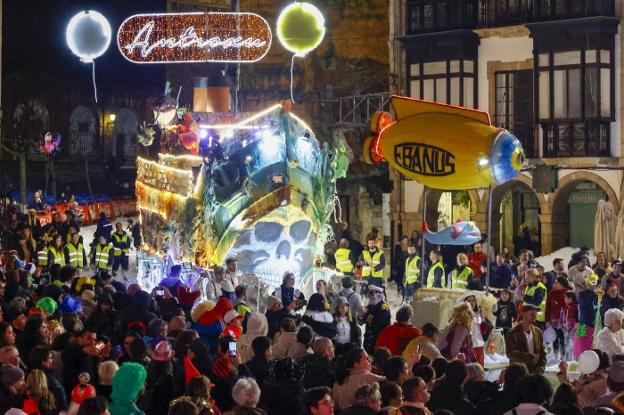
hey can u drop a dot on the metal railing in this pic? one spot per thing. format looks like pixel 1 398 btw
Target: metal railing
pixel 353 111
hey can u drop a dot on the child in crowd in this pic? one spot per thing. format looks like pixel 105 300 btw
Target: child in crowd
pixel 567 323
pixel 505 311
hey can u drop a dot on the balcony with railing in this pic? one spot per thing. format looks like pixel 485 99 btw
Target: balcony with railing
pixel 425 16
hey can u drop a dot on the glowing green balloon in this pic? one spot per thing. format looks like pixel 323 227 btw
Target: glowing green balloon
pixel 300 28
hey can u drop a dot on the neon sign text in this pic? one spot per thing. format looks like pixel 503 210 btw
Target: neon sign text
pixel 194 37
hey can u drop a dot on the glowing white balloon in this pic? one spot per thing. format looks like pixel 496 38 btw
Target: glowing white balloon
pixel 88 35
pixel 588 362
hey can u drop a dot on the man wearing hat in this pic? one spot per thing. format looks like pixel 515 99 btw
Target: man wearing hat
pixel 11 387
pixel 376 317
pixel 525 342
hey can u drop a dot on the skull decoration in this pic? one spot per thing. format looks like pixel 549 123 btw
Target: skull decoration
pixel 283 240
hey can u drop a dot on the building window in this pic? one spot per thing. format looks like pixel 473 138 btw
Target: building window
pixel 575 106
pixel 447 81
pixel 514 106
pixel 435 15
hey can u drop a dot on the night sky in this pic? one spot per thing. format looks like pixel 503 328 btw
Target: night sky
pixel 34 31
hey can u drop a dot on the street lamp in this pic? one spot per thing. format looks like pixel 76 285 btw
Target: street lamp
pixel 111 117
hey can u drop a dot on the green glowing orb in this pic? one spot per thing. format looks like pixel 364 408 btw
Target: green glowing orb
pixel 300 28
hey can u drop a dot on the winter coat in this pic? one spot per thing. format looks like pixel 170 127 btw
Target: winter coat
pixel 274 319
pixel 396 337
pixel 259 367
pixel 321 322
pixel 568 316
pixel 256 326
pixel 136 311
pixel 456 340
pixel 284 342
pixel 450 397
pixel 554 303
pixel 587 300
pixel 611 343
pixel 318 371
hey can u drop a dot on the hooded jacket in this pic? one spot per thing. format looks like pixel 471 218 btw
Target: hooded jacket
pixel 257 326
pixel 128 382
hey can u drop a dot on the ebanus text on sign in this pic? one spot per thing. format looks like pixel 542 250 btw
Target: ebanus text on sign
pixel 424 159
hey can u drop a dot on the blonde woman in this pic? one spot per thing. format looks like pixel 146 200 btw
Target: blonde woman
pixel 38 397
pixel 456 341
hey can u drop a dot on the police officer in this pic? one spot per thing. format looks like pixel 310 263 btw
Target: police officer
pixel 435 274
pixel 463 274
pixel 75 253
pixel 121 248
pixel 376 317
pixel 342 255
pixel 102 255
pixel 412 272
pixel 373 263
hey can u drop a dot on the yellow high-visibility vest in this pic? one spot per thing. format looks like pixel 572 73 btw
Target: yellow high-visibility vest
pixel 120 240
pixel 461 280
pixel 101 255
pixel 369 271
pixel 411 270
pixel 59 256
pixel 530 291
pixel 343 263
pixel 76 258
pixel 431 274
pixel 42 256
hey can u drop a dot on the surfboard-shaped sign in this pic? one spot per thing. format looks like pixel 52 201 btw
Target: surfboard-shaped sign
pixel 194 37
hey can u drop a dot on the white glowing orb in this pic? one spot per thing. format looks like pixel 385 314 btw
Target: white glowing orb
pixel 88 35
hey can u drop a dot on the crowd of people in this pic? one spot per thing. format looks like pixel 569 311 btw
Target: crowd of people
pixel 77 338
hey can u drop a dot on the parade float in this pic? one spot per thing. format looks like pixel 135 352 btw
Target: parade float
pixel 256 187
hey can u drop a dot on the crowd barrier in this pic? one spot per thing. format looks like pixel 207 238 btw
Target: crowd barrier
pixel 114 208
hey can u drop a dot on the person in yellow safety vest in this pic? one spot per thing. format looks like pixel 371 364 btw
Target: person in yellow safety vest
pixel 75 253
pixel 436 272
pixel 412 273
pixel 102 255
pixel 121 247
pixel 56 253
pixel 373 263
pixel 43 249
pixel 343 258
pixel 535 294
pixel 463 274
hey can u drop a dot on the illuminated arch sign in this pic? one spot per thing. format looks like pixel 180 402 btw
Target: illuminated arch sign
pixel 194 37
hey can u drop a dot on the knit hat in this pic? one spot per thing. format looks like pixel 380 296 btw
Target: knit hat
pixel 272 300
pixel 257 325
pixel 128 382
pixel 47 304
pixel 10 375
pixel 217 313
pixel 13 312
